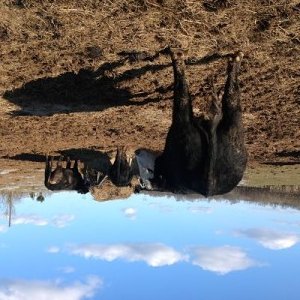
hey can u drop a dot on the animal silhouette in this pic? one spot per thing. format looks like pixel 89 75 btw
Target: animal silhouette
pixel 206 156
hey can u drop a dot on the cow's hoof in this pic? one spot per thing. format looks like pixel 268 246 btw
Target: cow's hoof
pixel 177 53
pixel 239 56
pixel 236 57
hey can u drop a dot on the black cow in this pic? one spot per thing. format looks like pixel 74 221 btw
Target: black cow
pixel 206 156
pixel 121 172
pixel 64 178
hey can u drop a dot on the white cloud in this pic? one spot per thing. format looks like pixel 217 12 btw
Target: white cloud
pixel 221 260
pixel 164 208
pixel 200 209
pixel 53 249
pixel 271 239
pixel 67 270
pixel 155 255
pixel 61 221
pixel 130 213
pixel 3 228
pixel 288 223
pixel 29 219
pixel 48 290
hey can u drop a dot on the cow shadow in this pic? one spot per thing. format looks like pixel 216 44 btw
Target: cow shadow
pixel 32 157
pixel 92 90
pixel 95 159
pixel 87 90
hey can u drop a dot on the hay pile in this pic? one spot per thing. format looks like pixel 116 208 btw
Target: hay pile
pixel 108 191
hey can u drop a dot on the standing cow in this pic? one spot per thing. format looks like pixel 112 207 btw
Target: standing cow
pixel 208 157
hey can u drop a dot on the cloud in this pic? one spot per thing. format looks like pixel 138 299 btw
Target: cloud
pixel 200 209
pixel 130 213
pixel 67 270
pixel 289 223
pixel 164 208
pixel 29 219
pixel 3 228
pixel 155 255
pixel 48 290
pixel 271 239
pixel 221 260
pixel 53 249
pixel 59 221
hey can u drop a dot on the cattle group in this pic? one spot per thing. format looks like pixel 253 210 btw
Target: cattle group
pixel 206 156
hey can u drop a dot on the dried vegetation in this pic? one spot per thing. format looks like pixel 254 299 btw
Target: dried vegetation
pixel 64 51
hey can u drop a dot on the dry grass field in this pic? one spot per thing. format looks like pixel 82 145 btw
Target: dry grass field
pixel 88 74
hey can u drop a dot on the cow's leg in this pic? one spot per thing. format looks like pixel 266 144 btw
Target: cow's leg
pixel 48 168
pixel 215 108
pixel 183 151
pixel 47 162
pixel 68 163
pixel 169 166
pixel 51 162
pixel 59 162
pixel 75 167
pixel 117 164
pixel 215 118
pixel 231 154
pixel 182 107
pixel 120 171
pixel 79 168
pixel 231 97
pixel 78 180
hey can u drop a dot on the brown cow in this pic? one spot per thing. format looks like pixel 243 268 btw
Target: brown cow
pixel 64 178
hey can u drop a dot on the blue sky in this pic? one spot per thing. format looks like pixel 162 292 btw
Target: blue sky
pixel 71 247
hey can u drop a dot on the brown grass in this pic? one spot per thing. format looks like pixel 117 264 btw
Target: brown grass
pixel 58 36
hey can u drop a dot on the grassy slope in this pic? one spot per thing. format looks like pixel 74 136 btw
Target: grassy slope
pixel 58 36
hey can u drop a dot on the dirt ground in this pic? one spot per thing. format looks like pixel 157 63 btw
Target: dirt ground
pixel 88 74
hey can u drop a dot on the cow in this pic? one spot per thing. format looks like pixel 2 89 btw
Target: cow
pixel 64 178
pixel 121 172
pixel 200 155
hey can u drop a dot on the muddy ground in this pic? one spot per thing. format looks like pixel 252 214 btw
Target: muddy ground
pixel 87 75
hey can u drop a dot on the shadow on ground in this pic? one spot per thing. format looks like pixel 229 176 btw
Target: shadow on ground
pixel 96 160
pixel 86 90
pixel 90 90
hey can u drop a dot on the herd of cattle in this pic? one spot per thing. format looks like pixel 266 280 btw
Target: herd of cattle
pixel 206 156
